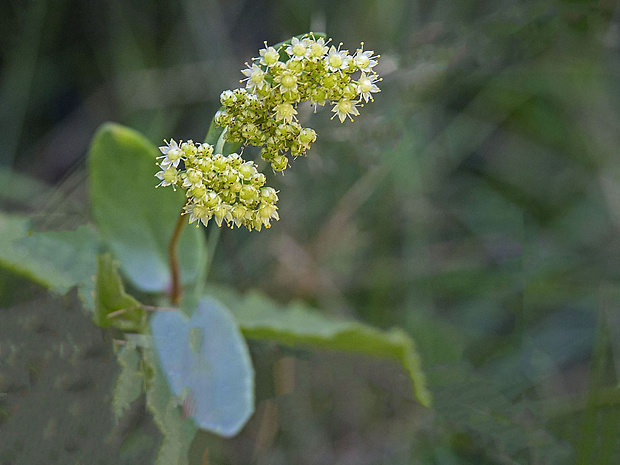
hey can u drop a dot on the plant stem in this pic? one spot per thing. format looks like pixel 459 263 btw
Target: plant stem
pixel 176 291
pixel 219 146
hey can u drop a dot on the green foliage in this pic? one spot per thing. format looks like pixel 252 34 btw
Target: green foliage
pixel 178 431
pixel 110 296
pixel 135 220
pixel 297 324
pixel 130 381
pixel 58 260
pixel 477 210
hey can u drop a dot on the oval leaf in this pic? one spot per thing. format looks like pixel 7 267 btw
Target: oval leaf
pixel 207 364
pixel 135 219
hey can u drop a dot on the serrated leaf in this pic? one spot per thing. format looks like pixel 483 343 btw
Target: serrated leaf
pixel 135 219
pixel 110 296
pixel 297 324
pixel 58 260
pixel 130 381
pixel 205 359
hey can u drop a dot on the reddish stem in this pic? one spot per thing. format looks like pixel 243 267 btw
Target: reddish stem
pixel 176 292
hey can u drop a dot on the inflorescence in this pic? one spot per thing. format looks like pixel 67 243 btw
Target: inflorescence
pixel 262 114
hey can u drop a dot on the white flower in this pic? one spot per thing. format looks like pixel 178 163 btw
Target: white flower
pixel 198 211
pixel 337 59
pixel 168 176
pixel 227 97
pixel 222 212
pixel 192 178
pixel 287 81
pixel 172 154
pixel 255 77
pixel 269 56
pixel 298 48
pixel 366 86
pixel 343 108
pixel 363 60
pixel 266 213
pixel 317 48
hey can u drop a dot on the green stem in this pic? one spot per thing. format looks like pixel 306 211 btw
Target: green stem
pixel 176 291
pixel 219 146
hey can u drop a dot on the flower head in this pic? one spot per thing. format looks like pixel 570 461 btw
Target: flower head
pixel 255 77
pixel 298 49
pixel 171 154
pixel 363 60
pixel 269 56
pixel 337 59
pixel 344 108
pixel 366 86
pixel 168 176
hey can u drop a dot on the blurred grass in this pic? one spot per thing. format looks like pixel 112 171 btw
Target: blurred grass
pixel 474 204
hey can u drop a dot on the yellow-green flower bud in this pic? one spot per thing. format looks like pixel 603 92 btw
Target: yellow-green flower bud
pixel 199 192
pixel 247 193
pixel 307 136
pixel 212 199
pixel 170 175
pixel 279 163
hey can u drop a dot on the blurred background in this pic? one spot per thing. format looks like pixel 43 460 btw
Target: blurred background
pixel 475 203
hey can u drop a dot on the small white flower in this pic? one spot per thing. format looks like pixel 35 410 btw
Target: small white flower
pixel 343 108
pixel 287 81
pixel 198 212
pixel 255 77
pixel 221 213
pixel 168 176
pixel 298 48
pixel 172 154
pixel 337 59
pixel 192 178
pixel 363 60
pixel 317 48
pixel 227 97
pixel 266 213
pixel 269 56
pixel 366 86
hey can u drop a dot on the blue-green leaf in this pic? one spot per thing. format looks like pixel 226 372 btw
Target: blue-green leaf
pixel 135 219
pixel 206 361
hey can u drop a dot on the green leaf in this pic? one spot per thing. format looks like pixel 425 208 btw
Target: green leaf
pixel 58 260
pixel 178 431
pixel 214 135
pixel 135 219
pixel 110 296
pixel 130 381
pixel 297 324
pixel 206 360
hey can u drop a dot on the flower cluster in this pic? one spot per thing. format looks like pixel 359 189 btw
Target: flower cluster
pixel 232 190
pixel 226 188
pixel 306 69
